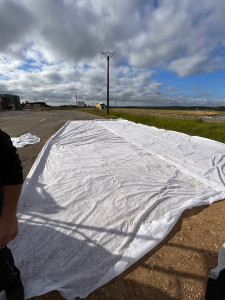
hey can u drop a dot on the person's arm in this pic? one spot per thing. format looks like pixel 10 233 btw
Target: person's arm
pixel 11 179
pixel 8 220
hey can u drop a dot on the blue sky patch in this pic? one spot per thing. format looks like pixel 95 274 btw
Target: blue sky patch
pixel 29 67
pixel 3 77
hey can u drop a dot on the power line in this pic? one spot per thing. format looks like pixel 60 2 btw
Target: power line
pixel 95 25
pixel 105 25
pixel 114 24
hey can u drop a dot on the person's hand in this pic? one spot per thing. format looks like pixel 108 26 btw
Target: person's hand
pixel 8 230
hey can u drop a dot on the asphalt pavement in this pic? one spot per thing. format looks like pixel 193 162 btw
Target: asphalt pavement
pixel 46 123
pixel 43 124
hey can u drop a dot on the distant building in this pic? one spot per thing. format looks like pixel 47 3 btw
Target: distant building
pixel 8 102
pixel 35 104
pixel 81 104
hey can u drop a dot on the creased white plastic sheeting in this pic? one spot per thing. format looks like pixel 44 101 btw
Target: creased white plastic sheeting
pixel 101 194
pixel 24 140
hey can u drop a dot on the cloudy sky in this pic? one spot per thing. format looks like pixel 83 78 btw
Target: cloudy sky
pixel 167 52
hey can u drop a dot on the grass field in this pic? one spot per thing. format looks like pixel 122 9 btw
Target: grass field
pixel 147 111
pixel 194 127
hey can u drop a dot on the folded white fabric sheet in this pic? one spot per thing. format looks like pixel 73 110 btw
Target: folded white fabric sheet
pixel 101 194
pixel 24 140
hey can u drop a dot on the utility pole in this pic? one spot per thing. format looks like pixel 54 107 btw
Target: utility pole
pixel 108 55
pixel 76 98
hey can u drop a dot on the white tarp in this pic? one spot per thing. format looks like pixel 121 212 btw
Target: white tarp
pixel 24 140
pixel 103 193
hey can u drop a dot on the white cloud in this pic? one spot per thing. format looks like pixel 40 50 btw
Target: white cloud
pixel 189 65
pixel 194 64
pixel 58 38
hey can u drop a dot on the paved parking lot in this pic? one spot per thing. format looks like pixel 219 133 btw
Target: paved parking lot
pixel 40 123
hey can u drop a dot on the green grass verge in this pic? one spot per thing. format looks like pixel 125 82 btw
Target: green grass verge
pixel 194 127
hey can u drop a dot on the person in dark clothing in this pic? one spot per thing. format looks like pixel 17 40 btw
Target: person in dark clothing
pixel 11 180
pixel 216 288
